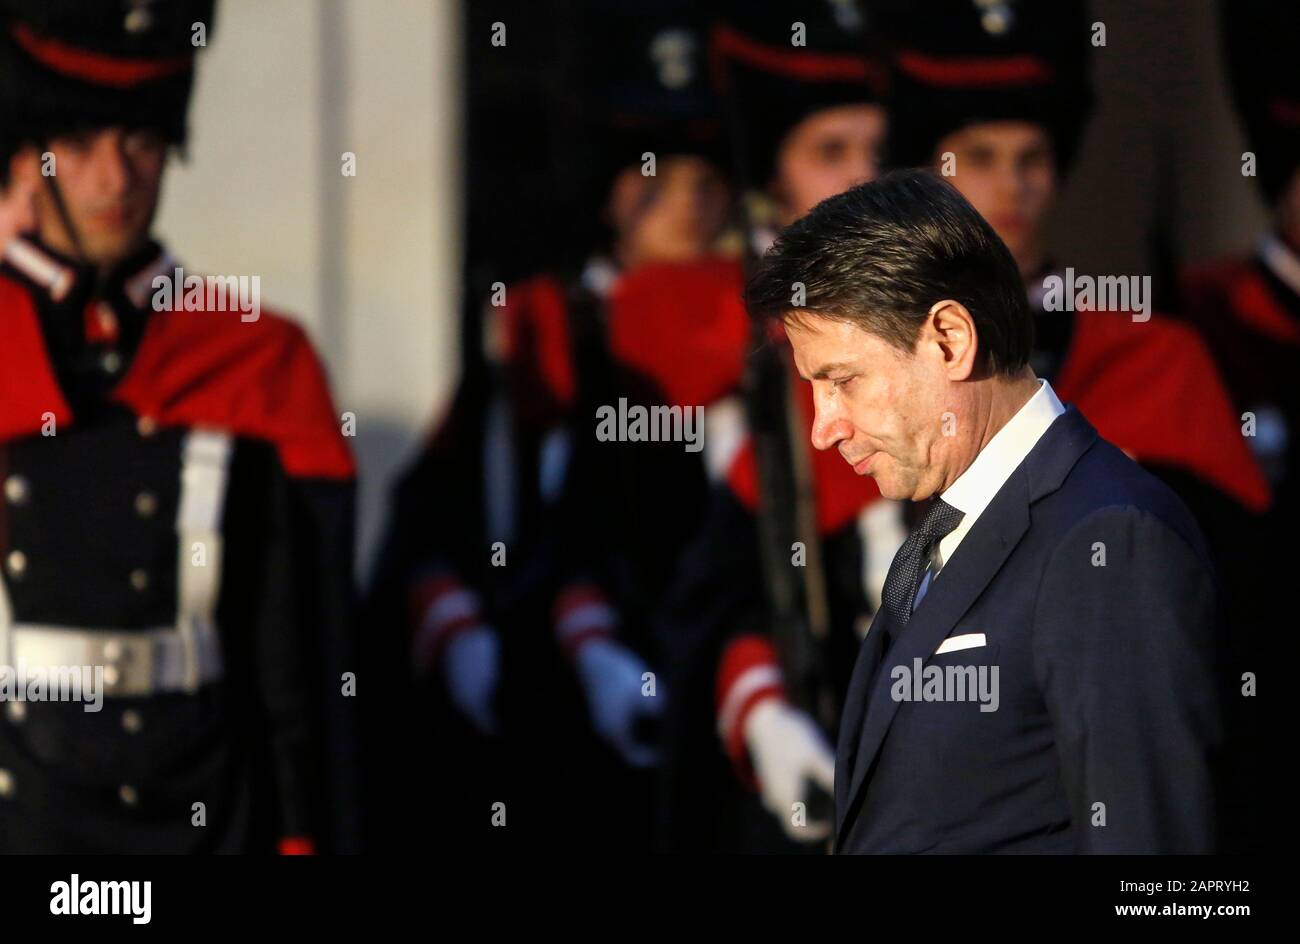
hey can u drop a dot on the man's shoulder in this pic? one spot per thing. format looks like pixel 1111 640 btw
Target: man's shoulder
pixel 1104 487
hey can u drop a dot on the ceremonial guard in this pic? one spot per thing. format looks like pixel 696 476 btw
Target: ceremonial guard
pixel 175 523
pixel 754 676
pixel 998 109
pixel 526 547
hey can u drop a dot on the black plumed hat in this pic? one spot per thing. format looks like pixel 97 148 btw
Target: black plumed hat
pixel 777 63
pixel 956 63
pixel 68 65
pixel 648 85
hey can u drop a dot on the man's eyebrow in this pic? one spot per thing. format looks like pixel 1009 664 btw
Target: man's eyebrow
pixel 827 369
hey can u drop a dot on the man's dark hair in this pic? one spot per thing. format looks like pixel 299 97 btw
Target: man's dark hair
pixel 880 255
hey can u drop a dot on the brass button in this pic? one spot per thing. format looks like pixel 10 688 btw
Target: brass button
pixel 6 783
pixel 138 20
pixel 111 362
pixel 140 579
pixel 129 795
pixel 16 711
pixel 114 650
pixel 132 721
pixel 146 426
pixel 16 489
pixel 146 504
pixel 16 563
pixel 111 676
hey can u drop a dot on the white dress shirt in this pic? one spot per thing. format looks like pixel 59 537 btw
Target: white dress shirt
pixel 975 488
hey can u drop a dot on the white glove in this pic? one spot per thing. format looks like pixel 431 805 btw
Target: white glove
pixel 611 679
pixel 472 666
pixel 788 750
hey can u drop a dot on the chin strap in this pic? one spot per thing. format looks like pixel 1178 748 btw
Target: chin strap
pixel 61 207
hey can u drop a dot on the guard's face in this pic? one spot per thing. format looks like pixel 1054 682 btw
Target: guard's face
pixel 829 152
pixel 880 407
pixel 109 180
pixel 1007 170
pixel 674 216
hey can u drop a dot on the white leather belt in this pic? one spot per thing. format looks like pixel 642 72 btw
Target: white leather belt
pixel 176 658
pixel 136 664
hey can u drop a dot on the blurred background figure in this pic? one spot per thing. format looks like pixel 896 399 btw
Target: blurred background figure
pixel 1248 309
pixel 760 638
pixel 803 101
pixel 528 553
pixel 1000 115
pixel 177 505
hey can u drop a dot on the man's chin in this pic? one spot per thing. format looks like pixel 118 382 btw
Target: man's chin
pixel 894 488
pixel 107 251
pixel 889 488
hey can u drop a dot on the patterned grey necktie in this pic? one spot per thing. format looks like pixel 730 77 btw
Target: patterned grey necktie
pixel 909 563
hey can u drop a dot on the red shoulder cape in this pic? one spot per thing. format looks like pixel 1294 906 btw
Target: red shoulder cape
pixel 1235 288
pixel 259 379
pixel 681 325
pixel 840 493
pixel 684 325
pixel 1152 389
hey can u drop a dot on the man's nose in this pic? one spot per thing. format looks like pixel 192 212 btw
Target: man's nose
pixel 829 428
pixel 114 169
pixel 1011 183
pixel 859 170
pixel 865 165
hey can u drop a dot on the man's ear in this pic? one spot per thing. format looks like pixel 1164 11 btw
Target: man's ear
pixel 951 329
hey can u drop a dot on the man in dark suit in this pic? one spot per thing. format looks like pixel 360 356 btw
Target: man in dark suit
pixel 1040 675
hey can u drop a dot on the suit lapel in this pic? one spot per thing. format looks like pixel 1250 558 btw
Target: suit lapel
pixel 959 584
pixel 855 703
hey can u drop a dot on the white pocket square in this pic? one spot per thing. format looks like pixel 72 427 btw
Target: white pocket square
pixel 958 643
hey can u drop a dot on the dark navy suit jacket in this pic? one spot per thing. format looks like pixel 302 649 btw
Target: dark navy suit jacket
pixel 1094 591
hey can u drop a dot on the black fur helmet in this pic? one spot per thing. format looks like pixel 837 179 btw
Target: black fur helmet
pixel 68 65
pixel 962 62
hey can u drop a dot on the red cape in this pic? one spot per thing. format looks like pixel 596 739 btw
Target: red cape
pixel 1235 288
pixel 538 348
pixel 259 379
pixel 680 324
pixel 840 492
pixel 684 325
pixel 1152 389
